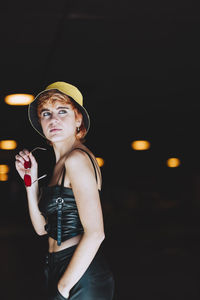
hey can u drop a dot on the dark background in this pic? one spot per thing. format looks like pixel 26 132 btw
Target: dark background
pixel 137 64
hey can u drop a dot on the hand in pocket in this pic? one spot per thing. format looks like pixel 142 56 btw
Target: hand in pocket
pixel 63 293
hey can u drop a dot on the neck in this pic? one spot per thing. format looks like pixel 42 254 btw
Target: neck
pixel 62 148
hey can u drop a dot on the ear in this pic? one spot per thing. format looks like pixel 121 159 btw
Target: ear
pixel 79 119
pixel 78 124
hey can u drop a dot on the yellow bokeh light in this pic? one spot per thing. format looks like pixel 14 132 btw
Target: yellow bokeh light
pixel 19 99
pixel 140 145
pixel 3 177
pixel 100 161
pixel 173 162
pixel 8 144
pixel 4 169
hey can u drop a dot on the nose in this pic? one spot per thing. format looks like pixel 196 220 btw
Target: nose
pixel 54 118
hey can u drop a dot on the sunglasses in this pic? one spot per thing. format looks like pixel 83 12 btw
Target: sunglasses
pixel 27 166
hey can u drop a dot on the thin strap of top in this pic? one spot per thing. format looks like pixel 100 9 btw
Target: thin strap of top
pixel 62 182
pixel 64 170
pixel 91 161
pixel 63 177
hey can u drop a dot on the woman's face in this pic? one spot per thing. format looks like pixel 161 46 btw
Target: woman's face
pixel 58 121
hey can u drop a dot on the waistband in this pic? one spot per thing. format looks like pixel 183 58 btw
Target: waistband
pixel 55 257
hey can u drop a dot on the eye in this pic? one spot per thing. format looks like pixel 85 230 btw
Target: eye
pixel 62 111
pixel 45 114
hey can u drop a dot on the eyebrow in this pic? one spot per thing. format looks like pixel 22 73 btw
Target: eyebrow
pixel 46 109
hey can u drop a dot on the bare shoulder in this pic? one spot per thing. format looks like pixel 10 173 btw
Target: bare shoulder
pixel 78 163
pixel 75 158
pixel 78 158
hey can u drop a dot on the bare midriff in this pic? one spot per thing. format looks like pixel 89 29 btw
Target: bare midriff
pixel 53 247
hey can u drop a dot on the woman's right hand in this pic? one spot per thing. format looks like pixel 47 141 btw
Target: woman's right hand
pixel 23 156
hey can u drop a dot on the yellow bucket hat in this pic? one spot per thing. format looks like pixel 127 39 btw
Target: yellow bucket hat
pixel 67 89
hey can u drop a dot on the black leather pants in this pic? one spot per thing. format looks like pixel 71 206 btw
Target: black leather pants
pixel 97 282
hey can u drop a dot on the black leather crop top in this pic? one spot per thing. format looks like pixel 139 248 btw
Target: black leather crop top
pixel 58 206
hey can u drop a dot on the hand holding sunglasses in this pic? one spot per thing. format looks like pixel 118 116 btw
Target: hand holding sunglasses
pixel 27 166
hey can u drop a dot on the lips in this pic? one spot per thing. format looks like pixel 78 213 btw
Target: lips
pixel 55 129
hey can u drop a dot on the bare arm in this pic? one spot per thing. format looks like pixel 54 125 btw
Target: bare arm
pixel 37 219
pixel 86 193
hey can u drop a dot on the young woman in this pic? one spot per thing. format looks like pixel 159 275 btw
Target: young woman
pixel 69 208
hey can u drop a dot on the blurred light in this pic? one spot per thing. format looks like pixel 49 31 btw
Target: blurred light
pixel 3 177
pixel 173 162
pixel 140 145
pixel 19 99
pixel 4 169
pixel 100 161
pixel 8 144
